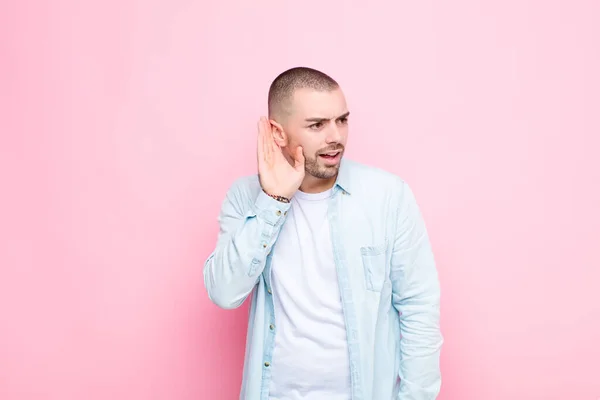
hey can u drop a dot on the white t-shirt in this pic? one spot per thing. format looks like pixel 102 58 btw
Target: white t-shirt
pixel 310 359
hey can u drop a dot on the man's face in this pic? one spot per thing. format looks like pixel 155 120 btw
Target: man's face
pixel 317 121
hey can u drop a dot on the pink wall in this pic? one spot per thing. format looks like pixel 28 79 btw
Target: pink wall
pixel 123 123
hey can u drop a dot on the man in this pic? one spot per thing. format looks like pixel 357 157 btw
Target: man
pixel 345 292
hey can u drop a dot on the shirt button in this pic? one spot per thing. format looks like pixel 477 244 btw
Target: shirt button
pixel 278 212
pixel 285 213
pixel 271 327
pixel 269 291
pixel 267 364
pixel 265 245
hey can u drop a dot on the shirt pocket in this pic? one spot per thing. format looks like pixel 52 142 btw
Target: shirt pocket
pixel 374 263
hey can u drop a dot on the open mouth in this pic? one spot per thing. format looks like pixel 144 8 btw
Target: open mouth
pixel 331 156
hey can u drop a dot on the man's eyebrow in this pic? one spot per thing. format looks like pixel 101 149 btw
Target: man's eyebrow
pixel 316 120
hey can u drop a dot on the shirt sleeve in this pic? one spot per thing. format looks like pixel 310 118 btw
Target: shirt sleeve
pixel 245 239
pixel 416 296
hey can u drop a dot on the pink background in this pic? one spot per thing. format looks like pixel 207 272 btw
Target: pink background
pixel 124 122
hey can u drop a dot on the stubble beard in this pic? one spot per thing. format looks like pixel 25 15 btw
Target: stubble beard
pixel 314 168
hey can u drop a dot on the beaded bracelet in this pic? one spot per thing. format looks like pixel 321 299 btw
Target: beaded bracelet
pixel 278 198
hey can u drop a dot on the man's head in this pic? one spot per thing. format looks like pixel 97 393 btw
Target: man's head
pixel 307 108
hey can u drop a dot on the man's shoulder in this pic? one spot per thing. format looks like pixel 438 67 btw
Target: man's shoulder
pixel 246 184
pixel 366 175
pixel 377 184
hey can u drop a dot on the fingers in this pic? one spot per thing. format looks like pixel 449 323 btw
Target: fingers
pixel 260 142
pixel 264 139
pixel 260 147
pixel 271 138
pixel 274 144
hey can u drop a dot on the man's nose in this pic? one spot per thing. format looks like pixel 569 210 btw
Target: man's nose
pixel 333 133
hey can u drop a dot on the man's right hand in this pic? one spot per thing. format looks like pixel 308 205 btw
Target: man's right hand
pixel 277 176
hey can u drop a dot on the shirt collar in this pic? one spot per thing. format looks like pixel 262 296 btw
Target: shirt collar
pixel 343 178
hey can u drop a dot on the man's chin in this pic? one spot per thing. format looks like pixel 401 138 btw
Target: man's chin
pixel 325 172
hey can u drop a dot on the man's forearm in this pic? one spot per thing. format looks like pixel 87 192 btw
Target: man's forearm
pixel 233 268
pixel 416 296
pixel 420 347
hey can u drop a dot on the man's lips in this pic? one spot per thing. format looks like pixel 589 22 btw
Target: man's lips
pixel 331 153
pixel 331 156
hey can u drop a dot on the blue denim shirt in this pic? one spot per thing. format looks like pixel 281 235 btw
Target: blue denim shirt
pixel 386 274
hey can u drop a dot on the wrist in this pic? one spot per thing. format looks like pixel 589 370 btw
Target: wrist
pixel 278 197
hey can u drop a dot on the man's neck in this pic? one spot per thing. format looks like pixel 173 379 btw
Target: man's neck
pixel 310 184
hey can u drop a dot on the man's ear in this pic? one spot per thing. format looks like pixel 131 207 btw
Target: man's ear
pixel 278 133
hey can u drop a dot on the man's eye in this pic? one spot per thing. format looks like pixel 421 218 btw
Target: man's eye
pixel 316 125
pixel 343 120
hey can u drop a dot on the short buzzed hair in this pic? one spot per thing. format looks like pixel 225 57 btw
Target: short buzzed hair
pixel 283 87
